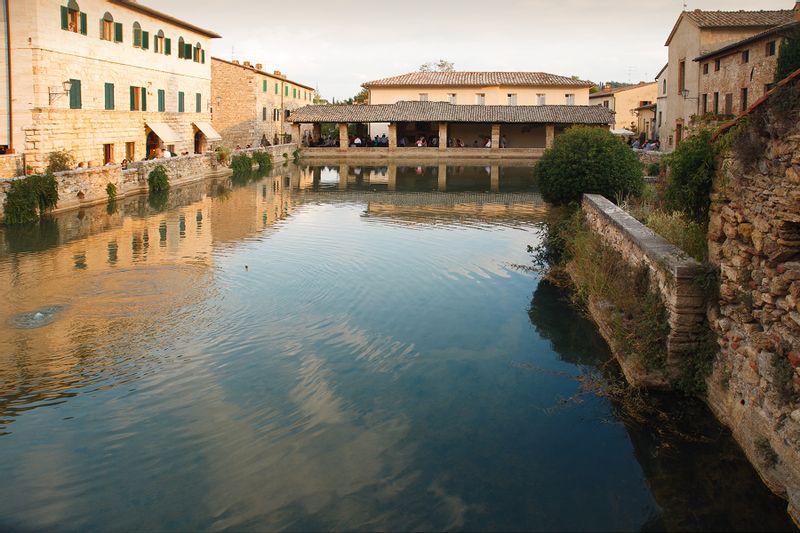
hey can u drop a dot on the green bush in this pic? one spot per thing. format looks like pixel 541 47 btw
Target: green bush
pixel 223 154
pixel 296 156
pixel 588 160
pixel 691 172
pixel 653 169
pixel 30 197
pixel 242 164
pixel 59 161
pixel 788 56
pixel 111 191
pixel 263 159
pixel 157 180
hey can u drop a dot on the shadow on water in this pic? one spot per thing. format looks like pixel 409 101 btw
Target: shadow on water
pixel 685 454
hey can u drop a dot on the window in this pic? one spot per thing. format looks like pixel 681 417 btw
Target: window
pixel 265 85
pixel 770 51
pixel 423 97
pixel 264 114
pixel 729 104
pixel 108 153
pixel 107 27
pixel 664 87
pixel 743 98
pixel 705 68
pixel 130 151
pixel 716 65
pixel 159 42
pixel 137 35
pixel 75 94
pixel 181 48
pixel 276 115
pixel 512 98
pixel 704 103
pixel 746 56
pixel 480 98
pixel 199 54
pixel 659 119
pixel 198 102
pixel 605 103
pixel 285 90
pixel 294 92
pixel 145 40
pixel 162 100
pixel 541 99
pixel 570 97
pixel 180 102
pixel 109 96
pixel 72 19
pixel 451 98
pixel 681 76
pixel 276 87
pixel 138 99
pixel 716 103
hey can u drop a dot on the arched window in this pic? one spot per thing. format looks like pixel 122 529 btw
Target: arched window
pixel 181 48
pixel 72 19
pixel 107 27
pixel 137 35
pixel 198 51
pixel 158 42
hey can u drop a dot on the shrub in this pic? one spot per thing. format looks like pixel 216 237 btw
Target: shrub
pixel 588 160
pixel 242 164
pixel 59 161
pixel 111 191
pixel 296 156
pixel 677 228
pixel 263 159
pixel 788 56
pixel 30 197
pixel 157 180
pixel 691 171
pixel 223 154
pixel 653 169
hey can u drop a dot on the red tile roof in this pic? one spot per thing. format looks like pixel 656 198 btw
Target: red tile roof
pixel 477 79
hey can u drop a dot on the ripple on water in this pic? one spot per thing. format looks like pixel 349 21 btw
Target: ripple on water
pixel 36 319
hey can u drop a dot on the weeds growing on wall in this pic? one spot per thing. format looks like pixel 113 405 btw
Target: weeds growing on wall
pixel 653 169
pixel 296 156
pixel 157 180
pixel 263 159
pixel 111 191
pixel 29 198
pixel 765 452
pixel 783 375
pixel 696 366
pixel 59 161
pixel 242 165
pixel 223 154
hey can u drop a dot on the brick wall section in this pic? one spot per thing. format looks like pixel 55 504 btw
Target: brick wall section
pixel 754 236
pixel 11 165
pixel 84 187
pixel 670 270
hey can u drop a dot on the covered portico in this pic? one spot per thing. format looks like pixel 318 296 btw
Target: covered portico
pixel 439 128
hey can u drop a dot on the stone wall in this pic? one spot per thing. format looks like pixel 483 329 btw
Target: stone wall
pixel 754 237
pixel 12 165
pixel 648 157
pixel 670 270
pixel 87 186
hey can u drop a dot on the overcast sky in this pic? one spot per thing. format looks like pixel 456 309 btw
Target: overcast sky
pixel 336 45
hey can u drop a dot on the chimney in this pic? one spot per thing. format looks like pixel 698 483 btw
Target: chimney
pixel 278 74
pixel 247 64
pixel 259 66
pixel 235 61
pixel 607 87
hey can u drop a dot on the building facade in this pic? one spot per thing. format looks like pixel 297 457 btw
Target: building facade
pixel 661 104
pixel 646 121
pixel 623 101
pixel 695 34
pixel 104 79
pixel 251 106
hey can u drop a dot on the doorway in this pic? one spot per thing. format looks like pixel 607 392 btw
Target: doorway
pixel 199 142
pixel 152 144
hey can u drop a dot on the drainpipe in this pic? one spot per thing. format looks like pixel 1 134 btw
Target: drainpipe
pixel 8 75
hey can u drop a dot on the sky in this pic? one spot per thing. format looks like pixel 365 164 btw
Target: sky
pixel 336 45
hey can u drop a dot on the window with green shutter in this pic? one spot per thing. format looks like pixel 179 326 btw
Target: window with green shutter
pixel 117 32
pixel 75 94
pixel 162 97
pixel 187 51
pixel 197 102
pixel 276 88
pixel 83 23
pixel 180 102
pixel 286 90
pixel 138 98
pixel 137 35
pixel 109 96
pixel 145 40
pixel 294 93
pixel 203 57
pixel 265 85
pixel 168 46
pixel 144 99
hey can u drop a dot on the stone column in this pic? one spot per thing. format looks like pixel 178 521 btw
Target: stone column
pixel 392 136
pixel 344 142
pixel 442 136
pixel 391 177
pixel 442 177
pixel 317 131
pixel 549 135
pixel 296 133
pixel 344 170
pixel 495 178
pixel 495 137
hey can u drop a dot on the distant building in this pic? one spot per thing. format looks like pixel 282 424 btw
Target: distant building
pixel 696 34
pixel 104 79
pixel 623 101
pixel 661 103
pixel 250 106
pixel 478 88
pixel 646 121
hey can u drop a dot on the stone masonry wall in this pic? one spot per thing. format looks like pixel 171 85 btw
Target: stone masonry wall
pixel 11 165
pixel 87 186
pixel 670 271
pixel 754 237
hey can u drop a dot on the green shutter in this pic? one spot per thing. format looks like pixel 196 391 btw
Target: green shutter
pixel 109 96
pixel 180 102
pixel 144 99
pixel 187 51
pixel 133 98
pixel 117 32
pixel 145 40
pixel 198 102
pixel 167 47
pixel 83 23
pixel 276 88
pixel 263 113
pixel 64 18
pixel 161 98
pixel 203 57
pixel 265 85
pixel 286 90
pixel 75 94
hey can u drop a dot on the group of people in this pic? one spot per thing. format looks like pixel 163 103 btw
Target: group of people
pixel 646 145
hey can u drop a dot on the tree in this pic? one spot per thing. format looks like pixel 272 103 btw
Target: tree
pixel 691 171
pixel 437 66
pixel 588 160
pixel 362 97
pixel 788 56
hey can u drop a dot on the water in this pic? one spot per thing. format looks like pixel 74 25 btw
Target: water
pixel 310 353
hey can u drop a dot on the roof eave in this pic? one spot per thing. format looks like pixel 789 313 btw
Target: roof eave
pixel 166 18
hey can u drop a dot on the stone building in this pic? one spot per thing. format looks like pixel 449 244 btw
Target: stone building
pixel 695 34
pixel 735 76
pixel 646 120
pixel 478 88
pixel 250 106
pixel 104 79
pixel 661 103
pixel 623 101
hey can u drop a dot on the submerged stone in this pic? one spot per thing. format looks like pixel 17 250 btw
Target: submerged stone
pixel 36 319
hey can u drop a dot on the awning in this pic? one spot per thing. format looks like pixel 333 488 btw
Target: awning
pixel 210 133
pixel 622 131
pixel 164 132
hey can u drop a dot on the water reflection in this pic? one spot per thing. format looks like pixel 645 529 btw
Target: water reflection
pixel 328 347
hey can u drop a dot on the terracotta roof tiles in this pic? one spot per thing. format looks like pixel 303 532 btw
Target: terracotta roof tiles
pixel 477 79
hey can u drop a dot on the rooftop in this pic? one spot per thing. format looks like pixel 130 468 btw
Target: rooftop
pixel 477 79
pixel 620 89
pixel 725 50
pixel 446 112
pixel 734 19
pixel 250 67
pixel 135 6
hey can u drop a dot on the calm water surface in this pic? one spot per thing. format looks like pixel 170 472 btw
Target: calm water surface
pixel 308 352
